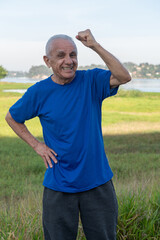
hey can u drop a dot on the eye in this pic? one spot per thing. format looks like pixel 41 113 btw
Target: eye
pixel 73 54
pixel 60 55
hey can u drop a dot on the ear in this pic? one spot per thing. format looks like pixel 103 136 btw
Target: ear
pixel 46 60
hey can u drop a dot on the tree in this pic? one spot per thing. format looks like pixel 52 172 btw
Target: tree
pixel 3 72
pixel 131 67
pixel 39 71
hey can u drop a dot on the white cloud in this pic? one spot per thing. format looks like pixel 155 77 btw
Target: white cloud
pixel 27 24
pixel 20 55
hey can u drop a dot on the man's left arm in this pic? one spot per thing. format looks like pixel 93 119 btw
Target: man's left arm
pixel 119 74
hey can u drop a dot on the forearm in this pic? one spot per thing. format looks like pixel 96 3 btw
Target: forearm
pixel 21 130
pixel 114 65
pixel 119 74
pixel 40 148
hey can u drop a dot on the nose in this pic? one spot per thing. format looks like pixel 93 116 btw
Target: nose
pixel 68 60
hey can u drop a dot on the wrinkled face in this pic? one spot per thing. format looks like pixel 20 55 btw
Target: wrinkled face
pixel 62 59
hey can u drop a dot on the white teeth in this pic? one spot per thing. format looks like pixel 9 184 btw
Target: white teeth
pixel 66 68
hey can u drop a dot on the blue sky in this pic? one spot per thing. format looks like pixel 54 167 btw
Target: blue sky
pixel 128 29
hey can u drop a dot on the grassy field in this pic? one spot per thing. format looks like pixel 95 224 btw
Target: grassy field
pixel 131 130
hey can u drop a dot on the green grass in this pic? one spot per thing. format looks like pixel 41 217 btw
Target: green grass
pixel 8 86
pixel 128 107
pixel 131 137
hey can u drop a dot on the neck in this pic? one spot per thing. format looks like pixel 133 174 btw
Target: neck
pixel 61 81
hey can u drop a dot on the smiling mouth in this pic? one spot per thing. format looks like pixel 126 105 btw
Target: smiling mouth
pixel 67 68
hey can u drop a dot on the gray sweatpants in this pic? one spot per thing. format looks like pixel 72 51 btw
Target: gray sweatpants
pixel 98 210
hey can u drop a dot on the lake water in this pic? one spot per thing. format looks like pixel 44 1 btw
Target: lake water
pixel 19 80
pixel 144 85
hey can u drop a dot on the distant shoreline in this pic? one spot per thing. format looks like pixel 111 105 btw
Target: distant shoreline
pixel 143 85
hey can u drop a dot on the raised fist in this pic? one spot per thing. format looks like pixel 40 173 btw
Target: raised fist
pixel 86 38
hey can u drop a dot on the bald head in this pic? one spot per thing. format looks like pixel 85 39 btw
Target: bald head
pixel 50 42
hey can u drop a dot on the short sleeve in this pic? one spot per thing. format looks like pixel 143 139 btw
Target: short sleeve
pixel 101 83
pixel 26 107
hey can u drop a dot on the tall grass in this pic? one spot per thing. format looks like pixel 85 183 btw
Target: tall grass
pixel 131 131
pixel 138 217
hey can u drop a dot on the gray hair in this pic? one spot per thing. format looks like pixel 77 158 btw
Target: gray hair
pixel 59 36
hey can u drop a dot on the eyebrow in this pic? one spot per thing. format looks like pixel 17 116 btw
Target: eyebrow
pixel 61 51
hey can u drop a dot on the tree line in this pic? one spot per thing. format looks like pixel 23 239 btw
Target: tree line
pixel 142 70
pixel 3 72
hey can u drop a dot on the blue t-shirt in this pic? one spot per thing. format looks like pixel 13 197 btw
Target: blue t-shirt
pixel 70 116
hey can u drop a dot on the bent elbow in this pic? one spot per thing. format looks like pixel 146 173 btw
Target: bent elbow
pixel 127 78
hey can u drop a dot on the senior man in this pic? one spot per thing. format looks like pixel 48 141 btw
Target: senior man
pixel 78 178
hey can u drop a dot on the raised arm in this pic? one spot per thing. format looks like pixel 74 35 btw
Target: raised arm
pixel 40 148
pixel 119 73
